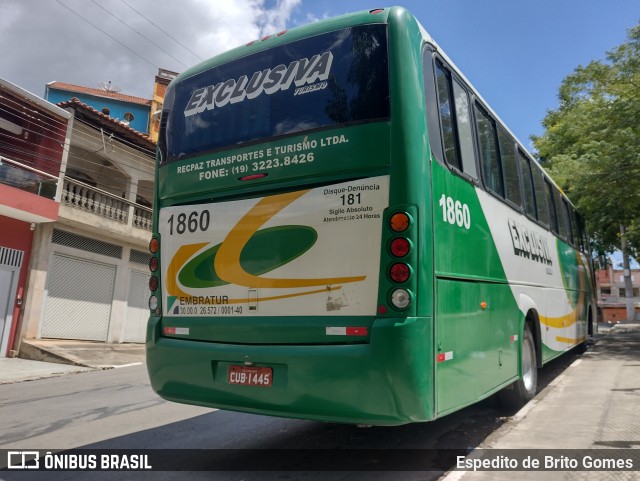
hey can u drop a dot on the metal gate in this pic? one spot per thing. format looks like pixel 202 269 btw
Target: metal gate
pixel 79 299
pixel 135 324
pixel 10 263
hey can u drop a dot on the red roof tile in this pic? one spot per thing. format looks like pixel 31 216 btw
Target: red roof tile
pixel 99 93
pixel 76 103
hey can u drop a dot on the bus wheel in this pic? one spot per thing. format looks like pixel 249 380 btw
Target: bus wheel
pixel 524 389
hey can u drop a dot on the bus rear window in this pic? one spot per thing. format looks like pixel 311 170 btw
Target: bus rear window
pixel 339 77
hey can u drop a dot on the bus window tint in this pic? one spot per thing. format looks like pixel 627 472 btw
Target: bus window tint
pixel 575 232
pixel 339 77
pixel 509 168
pixel 584 238
pixel 553 213
pixel 563 216
pixel 489 152
pixel 446 117
pixel 528 195
pixel 463 122
pixel 542 198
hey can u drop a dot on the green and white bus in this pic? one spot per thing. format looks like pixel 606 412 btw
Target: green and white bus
pixel 345 231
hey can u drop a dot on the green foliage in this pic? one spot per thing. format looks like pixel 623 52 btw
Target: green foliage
pixel 591 144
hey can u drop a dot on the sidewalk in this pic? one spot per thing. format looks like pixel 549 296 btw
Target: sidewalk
pixel 594 404
pixel 48 358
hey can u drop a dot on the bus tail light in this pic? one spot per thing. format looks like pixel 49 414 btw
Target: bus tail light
pixel 154 248
pixel 399 272
pixel 400 259
pixel 401 299
pixel 399 222
pixel 400 247
pixel 154 245
pixel 253 176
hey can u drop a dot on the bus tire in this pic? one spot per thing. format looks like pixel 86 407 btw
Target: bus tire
pixel 523 390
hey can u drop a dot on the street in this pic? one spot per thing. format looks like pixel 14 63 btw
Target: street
pixel 116 409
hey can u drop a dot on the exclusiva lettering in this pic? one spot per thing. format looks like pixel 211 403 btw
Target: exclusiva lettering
pixel 299 72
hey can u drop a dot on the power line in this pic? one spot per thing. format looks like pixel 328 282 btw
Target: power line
pixel 41 125
pixel 163 31
pixel 119 184
pixel 56 160
pixel 143 36
pixel 91 141
pixel 30 114
pixel 152 152
pixel 107 34
pixel 148 155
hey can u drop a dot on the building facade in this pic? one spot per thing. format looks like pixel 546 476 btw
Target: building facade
pixel 127 109
pixel 612 295
pixel 34 141
pixel 160 85
pixel 89 268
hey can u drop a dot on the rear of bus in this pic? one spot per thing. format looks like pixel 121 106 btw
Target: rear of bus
pixel 286 236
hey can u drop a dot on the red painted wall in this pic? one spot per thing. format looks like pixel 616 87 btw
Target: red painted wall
pixel 27 202
pixel 16 234
pixel 615 314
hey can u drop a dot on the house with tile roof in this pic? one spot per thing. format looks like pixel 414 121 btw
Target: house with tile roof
pixel 128 109
pixel 89 268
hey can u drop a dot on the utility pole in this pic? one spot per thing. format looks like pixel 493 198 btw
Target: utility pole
pixel 628 285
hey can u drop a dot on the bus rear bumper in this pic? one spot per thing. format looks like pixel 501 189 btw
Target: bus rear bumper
pixel 384 382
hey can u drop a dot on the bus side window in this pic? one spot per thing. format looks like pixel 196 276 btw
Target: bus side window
pixel 491 171
pixel 553 213
pixel 509 168
pixel 443 82
pixel 528 194
pixel 465 136
pixel 584 237
pixel 575 231
pixel 542 198
pixel 455 122
pixel 563 216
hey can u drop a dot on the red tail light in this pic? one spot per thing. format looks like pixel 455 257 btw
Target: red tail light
pixel 399 272
pixel 400 247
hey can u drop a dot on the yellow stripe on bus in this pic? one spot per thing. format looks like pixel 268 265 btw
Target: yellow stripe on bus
pixel 571 318
pixel 181 256
pixel 569 340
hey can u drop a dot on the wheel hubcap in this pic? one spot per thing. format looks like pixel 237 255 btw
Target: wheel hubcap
pixel 527 365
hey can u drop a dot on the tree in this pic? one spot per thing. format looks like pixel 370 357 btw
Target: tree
pixel 591 147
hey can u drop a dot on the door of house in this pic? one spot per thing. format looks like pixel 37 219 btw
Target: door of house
pixel 8 285
pixel 10 263
pixel 135 324
pixel 79 299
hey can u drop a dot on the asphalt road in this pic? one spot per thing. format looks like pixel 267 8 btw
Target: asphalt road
pixel 116 409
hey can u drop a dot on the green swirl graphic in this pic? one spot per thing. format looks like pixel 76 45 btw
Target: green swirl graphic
pixel 267 250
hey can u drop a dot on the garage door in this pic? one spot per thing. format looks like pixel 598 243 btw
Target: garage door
pixel 79 299
pixel 135 325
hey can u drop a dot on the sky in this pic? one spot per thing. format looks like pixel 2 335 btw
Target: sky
pixel 515 53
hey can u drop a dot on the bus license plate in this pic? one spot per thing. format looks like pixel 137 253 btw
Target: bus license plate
pixel 250 376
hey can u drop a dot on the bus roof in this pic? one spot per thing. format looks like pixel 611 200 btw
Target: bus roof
pixel 379 15
pixel 287 36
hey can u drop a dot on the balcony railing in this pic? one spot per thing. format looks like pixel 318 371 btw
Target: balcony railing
pixel 87 198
